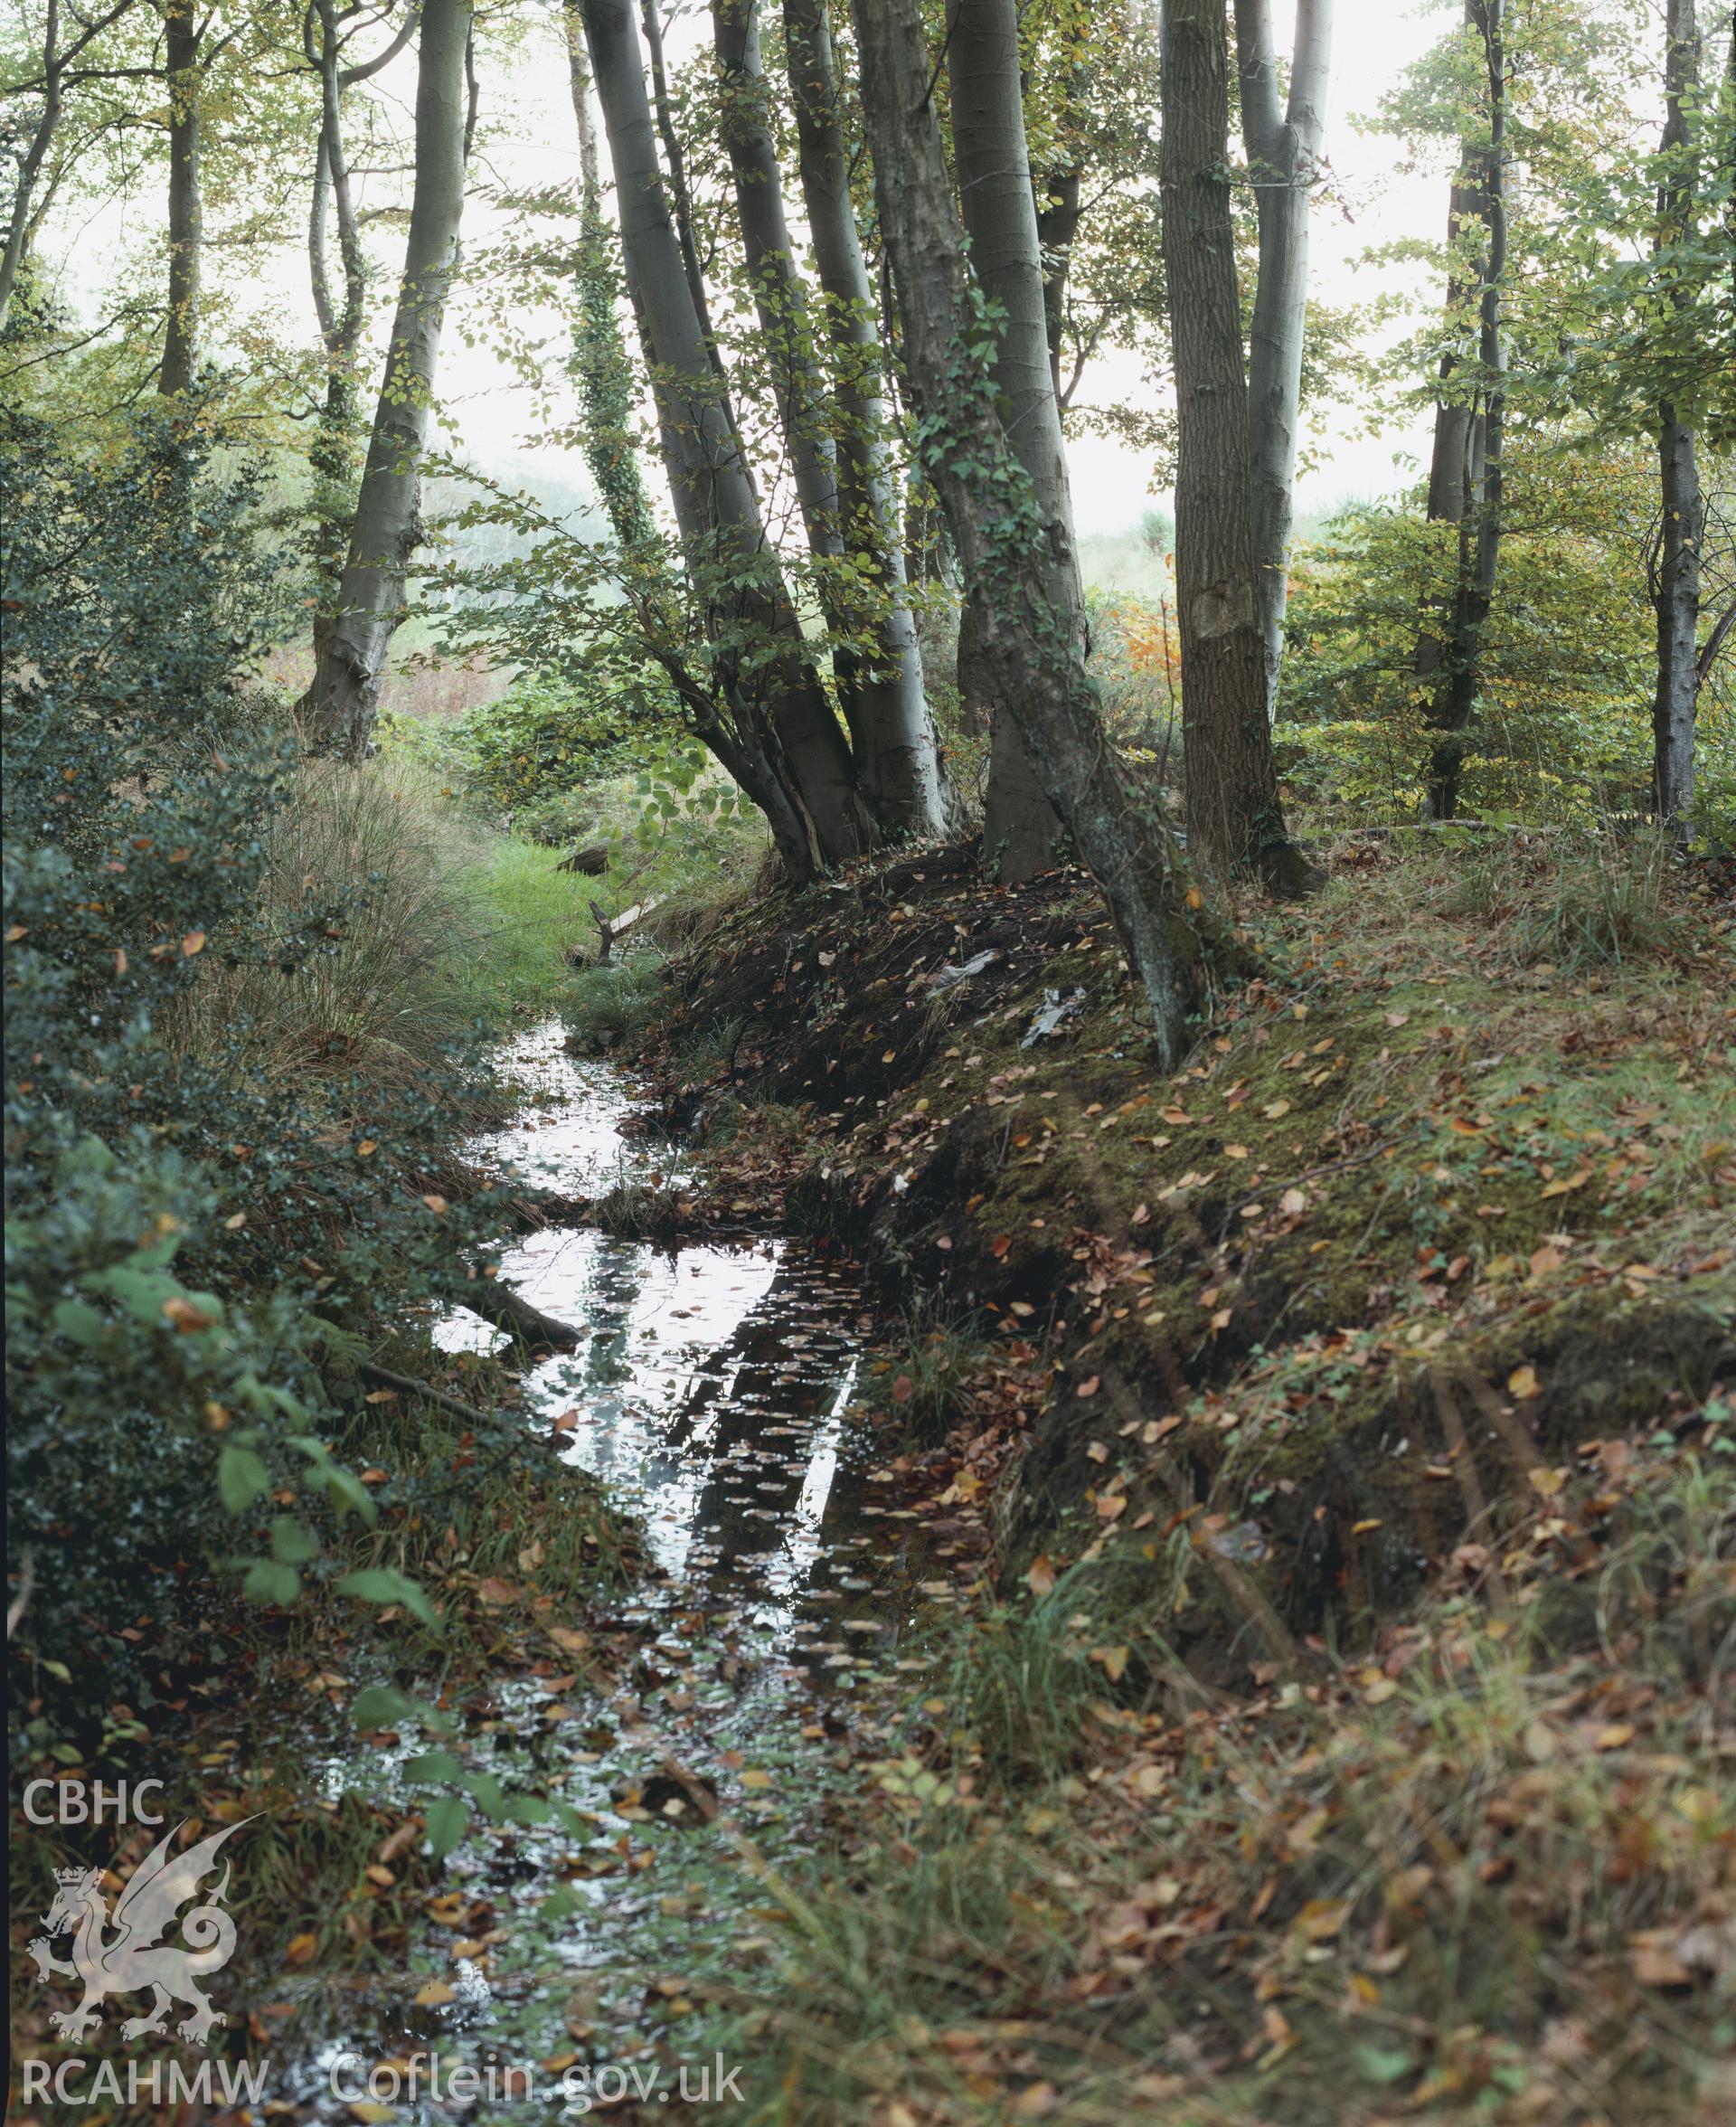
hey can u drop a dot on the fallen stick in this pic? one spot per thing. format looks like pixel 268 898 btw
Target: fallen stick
pixel 407 1385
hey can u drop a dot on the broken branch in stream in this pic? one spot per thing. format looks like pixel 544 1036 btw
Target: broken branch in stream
pixel 505 1310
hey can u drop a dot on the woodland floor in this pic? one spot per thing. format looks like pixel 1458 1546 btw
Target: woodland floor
pixel 1345 1729
pixel 1333 1719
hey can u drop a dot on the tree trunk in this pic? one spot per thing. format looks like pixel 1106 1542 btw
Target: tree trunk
pixel 186 208
pixel 1000 216
pixel 331 456
pixel 600 364
pixel 1678 590
pixel 1284 153
pixel 785 724
pixel 1235 820
pixel 1060 207
pixel 898 754
pixel 339 708
pixel 18 227
pixel 1015 555
pixel 1456 673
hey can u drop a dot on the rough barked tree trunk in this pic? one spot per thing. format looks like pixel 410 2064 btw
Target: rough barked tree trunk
pixel 1456 678
pixel 1284 155
pixel 339 707
pixel 791 751
pixel 1235 820
pixel 1020 827
pixel 899 753
pixel 181 38
pixel 1016 558
pixel 1676 589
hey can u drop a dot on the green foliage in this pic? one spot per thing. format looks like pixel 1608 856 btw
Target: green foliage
pixel 550 733
pixel 186 1231
pixel 1563 723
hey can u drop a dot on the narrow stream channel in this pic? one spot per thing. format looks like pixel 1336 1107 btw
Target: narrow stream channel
pixel 712 1393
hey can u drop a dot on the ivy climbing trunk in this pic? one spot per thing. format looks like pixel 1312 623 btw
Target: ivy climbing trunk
pixel 786 747
pixel 1283 146
pixel 181 38
pixel 1020 825
pixel 898 750
pixel 1676 586
pixel 1235 820
pixel 339 708
pixel 1016 555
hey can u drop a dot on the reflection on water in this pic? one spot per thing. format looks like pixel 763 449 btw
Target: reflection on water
pixel 711 1390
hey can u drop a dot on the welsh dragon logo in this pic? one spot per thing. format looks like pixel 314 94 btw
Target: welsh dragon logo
pixel 133 1956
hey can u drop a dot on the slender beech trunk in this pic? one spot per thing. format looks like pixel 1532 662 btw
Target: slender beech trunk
pixel 1677 585
pixel 1020 825
pixel 1453 674
pixel 676 162
pixel 339 707
pixel 790 755
pixel 1015 554
pixel 898 753
pixel 1284 153
pixel 186 205
pixel 1235 820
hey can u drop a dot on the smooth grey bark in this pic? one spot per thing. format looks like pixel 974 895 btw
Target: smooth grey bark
pixel 674 159
pixel 331 457
pixel 1452 669
pixel 899 753
pixel 1284 149
pixel 784 728
pixel 1235 818
pixel 1676 589
pixel 606 393
pixel 1020 827
pixel 183 36
pixel 339 707
pixel 1015 556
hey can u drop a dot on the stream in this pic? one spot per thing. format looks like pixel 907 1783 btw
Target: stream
pixel 712 1393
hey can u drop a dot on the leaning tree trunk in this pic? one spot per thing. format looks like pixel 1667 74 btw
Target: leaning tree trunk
pixel 898 752
pixel 1020 826
pixel 339 707
pixel 1677 587
pixel 1284 154
pixel 1450 705
pixel 1016 555
pixel 791 751
pixel 1235 820
pixel 186 210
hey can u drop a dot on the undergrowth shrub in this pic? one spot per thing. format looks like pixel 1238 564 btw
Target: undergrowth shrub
pixel 188 1224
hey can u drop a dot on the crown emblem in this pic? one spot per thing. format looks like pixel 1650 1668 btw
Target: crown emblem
pixel 71 1875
